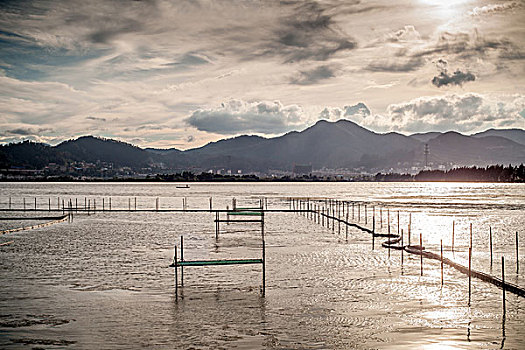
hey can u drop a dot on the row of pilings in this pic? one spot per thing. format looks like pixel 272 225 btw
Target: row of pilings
pixel 341 215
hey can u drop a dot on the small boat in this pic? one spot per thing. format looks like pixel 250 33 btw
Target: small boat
pixel 183 186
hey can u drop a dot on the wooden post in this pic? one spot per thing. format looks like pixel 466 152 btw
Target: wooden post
pixel 176 278
pixel 76 205
pixel 517 255
pixel 103 204
pixel 402 248
pixel 10 202
pixel 490 244
pixel 381 218
pixel 135 203
pixel 469 273
pixel 35 203
pixel 109 203
pixel 347 225
pixel 182 259
pixel 339 220
pixel 129 204
pixel 503 282
pixel 216 224
pixel 421 246
pixel 89 206
pixel 94 205
pixel 48 203
pixel 470 235
pixel 322 218
pixel 211 204
pixel 353 211
pixel 24 204
pixel 366 216
pixel 85 203
pixel 409 227
pixel 358 212
pixel 263 254
pixel 441 263
pixel 398 223
pixel 373 218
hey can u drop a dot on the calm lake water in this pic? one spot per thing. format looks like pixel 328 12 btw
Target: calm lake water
pixel 103 282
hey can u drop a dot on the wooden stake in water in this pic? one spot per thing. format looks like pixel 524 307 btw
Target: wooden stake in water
pixel 181 259
pixel 421 246
pixel 24 204
pixel 490 244
pixel 441 262
pixel 469 273
pixel 470 235
pixel 109 203
pixel 129 204
pixel 9 203
pixel 409 227
pixel 398 225
pixel 503 282
pixel 216 224
pixel 176 278
pixel 366 216
pixel 347 225
pixel 381 217
pixel 35 203
pixel 48 204
pixel 402 248
pixel 135 203
pixel 358 212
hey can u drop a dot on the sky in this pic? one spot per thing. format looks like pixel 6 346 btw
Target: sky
pixel 184 73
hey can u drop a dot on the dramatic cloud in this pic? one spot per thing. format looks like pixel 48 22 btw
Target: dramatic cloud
pixel 397 65
pixel 408 33
pixel 313 76
pixel 493 8
pixel 457 78
pixel 236 116
pixel 310 32
pixel 456 112
pixel 359 109
pixel 154 71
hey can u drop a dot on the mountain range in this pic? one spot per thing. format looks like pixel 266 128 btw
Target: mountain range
pixel 333 145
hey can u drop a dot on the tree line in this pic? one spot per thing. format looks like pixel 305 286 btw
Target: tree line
pixel 492 173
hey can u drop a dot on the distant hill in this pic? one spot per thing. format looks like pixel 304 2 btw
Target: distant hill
pixel 92 149
pixel 516 135
pixel 481 151
pixel 341 144
pixel 426 136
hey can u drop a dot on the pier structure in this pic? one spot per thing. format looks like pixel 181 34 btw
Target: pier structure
pixel 236 212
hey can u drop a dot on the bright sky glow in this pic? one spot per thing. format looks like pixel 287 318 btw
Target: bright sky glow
pixel 183 73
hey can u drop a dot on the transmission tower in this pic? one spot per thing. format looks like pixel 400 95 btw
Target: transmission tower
pixel 427 152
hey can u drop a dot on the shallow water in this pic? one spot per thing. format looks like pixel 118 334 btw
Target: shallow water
pixel 102 281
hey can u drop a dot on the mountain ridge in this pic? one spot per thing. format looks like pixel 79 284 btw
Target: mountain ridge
pixel 326 144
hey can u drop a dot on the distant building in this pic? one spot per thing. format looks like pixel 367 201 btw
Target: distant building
pixel 302 169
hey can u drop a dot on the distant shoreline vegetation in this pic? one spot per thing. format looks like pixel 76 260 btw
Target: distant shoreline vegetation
pixel 492 173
